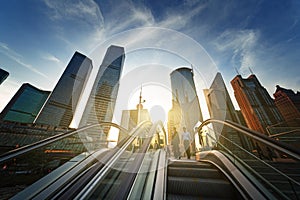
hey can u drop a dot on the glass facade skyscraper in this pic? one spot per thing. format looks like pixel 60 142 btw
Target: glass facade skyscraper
pixel 184 94
pixel 25 104
pixel 220 107
pixel 185 110
pixel 62 102
pixel 101 103
pixel 219 103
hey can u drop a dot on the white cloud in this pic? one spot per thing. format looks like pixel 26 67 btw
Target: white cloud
pixel 4 48
pixel 241 45
pixel 85 10
pixel 51 57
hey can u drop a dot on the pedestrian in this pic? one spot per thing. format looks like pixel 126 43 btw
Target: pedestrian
pixel 199 132
pixel 175 143
pixel 186 138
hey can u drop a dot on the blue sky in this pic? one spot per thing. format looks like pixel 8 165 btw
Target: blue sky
pixel 38 37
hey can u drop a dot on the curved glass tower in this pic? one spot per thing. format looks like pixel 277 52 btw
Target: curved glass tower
pixel 184 95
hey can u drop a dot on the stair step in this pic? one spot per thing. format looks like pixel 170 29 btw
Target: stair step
pixel 200 187
pixel 195 172
pixel 190 164
pixel 187 197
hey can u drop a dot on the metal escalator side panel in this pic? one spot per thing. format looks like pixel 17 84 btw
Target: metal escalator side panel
pixel 112 159
pixel 52 182
pixel 246 188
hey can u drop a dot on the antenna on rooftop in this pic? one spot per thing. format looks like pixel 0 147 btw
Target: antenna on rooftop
pixel 237 71
pixel 251 70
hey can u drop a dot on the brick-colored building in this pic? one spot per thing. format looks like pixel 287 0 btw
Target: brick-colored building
pixel 256 104
pixel 288 104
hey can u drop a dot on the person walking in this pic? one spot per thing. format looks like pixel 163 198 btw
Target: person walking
pixel 186 138
pixel 175 143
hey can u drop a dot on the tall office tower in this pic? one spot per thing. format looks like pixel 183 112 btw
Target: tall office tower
pixel 62 102
pixel 3 75
pixel 25 104
pixel 221 107
pixel 184 92
pixel 288 104
pixel 101 103
pixel 256 104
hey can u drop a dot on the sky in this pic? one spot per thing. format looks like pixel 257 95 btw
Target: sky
pixel 39 37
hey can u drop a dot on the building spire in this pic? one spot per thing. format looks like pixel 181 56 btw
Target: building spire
pixel 140 105
pixel 251 71
pixel 237 71
pixel 140 99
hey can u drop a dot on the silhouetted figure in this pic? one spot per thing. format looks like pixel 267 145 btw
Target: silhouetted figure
pixel 259 151
pixel 156 145
pixel 201 142
pixel 186 138
pixel 270 153
pixel 175 143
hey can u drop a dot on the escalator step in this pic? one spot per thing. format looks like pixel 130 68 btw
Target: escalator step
pixel 194 172
pixel 200 187
pixel 187 197
pixel 190 164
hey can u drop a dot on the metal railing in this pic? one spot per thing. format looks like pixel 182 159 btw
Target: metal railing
pixel 265 160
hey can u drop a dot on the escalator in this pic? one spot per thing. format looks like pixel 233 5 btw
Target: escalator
pixel 271 165
pixel 140 167
pixel 105 173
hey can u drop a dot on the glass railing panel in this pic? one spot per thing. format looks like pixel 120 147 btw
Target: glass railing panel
pixel 113 180
pixel 25 168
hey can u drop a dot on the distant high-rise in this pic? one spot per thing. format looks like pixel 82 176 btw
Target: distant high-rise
pixel 129 119
pixel 3 75
pixel 101 103
pixel 62 102
pixel 288 104
pixel 25 104
pixel 220 107
pixel 256 104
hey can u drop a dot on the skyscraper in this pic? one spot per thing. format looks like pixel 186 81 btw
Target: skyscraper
pixel 25 104
pixel 288 104
pixel 218 101
pixel 3 75
pixel 62 102
pixel 184 95
pixel 256 104
pixel 101 103
pixel 221 107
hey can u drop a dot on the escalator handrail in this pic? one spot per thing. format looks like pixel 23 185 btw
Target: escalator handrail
pixel 157 167
pixel 253 171
pixel 68 180
pixel 22 150
pixel 109 164
pixel 280 146
pixel 237 178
